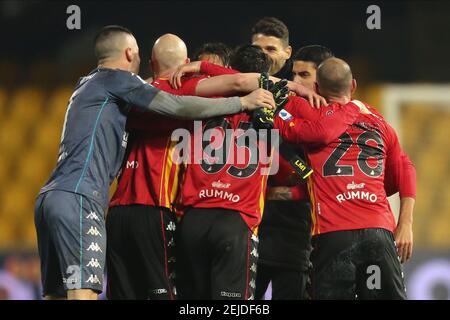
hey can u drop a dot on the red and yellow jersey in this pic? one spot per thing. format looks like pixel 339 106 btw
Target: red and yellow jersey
pixel 347 187
pixel 233 175
pixel 149 175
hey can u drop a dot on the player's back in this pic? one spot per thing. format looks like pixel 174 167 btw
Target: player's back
pixel 347 186
pixel 236 175
pixel 93 140
pixel 149 174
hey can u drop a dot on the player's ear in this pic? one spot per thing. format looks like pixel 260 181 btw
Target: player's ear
pixel 288 51
pixel 150 65
pixel 187 61
pixel 354 85
pixel 129 54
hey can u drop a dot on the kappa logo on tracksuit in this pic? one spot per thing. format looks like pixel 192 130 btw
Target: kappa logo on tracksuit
pixel 94 263
pixel 93 216
pixel 171 226
pixel 93 279
pixel 94 231
pixel 94 247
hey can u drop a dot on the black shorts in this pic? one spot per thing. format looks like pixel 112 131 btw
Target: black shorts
pixel 356 264
pixel 284 250
pixel 287 284
pixel 216 256
pixel 72 242
pixel 140 259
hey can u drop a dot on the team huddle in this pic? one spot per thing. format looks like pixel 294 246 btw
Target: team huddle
pixel 242 168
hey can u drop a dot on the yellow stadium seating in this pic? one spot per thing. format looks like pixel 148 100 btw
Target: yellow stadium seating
pixel 13 138
pixel 33 170
pixel 27 236
pixel 432 166
pixel 8 229
pixel 47 138
pixel 439 236
pixel 439 131
pixel 58 101
pixel 26 105
pixel 17 201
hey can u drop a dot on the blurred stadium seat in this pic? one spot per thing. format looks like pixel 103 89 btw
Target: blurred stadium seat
pixel 26 105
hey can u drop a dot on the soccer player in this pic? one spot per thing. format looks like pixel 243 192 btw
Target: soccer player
pixel 286 218
pixel 214 52
pixel 355 254
pixel 305 63
pixel 69 212
pixel 306 60
pixel 272 36
pixel 141 223
pixel 222 204
pixel 286 221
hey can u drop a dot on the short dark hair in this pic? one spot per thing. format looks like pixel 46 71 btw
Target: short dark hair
pixel 218 48
pixel 271 26
pixel 101 49
pixel 313 53
pixel 250 58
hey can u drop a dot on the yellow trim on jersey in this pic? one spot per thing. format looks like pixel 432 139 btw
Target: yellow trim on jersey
pixel 262 197
pixel 168 169
pixel 314 217
pixel 174 189
pixel 162 181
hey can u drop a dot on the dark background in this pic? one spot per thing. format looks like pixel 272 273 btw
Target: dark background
pixel 413 43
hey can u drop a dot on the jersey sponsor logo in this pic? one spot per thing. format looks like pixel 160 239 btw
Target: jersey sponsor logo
pixel 354 186
pixel 94 247
pixel 212 193
pixel 219 184
pixel 93 279
pixel 93 216
pixel 94 263
pixel 171 226
pixel 286 116
pixel 358 195
pixel 132 164
pixel 94 231
pixel 329 113
pixel 230 294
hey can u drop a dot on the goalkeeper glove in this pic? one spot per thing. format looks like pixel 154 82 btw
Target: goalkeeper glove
pixel 263 118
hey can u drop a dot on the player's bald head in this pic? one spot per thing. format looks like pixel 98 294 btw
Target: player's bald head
pixel 169 51
pixel 112 41
pixel 334 77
